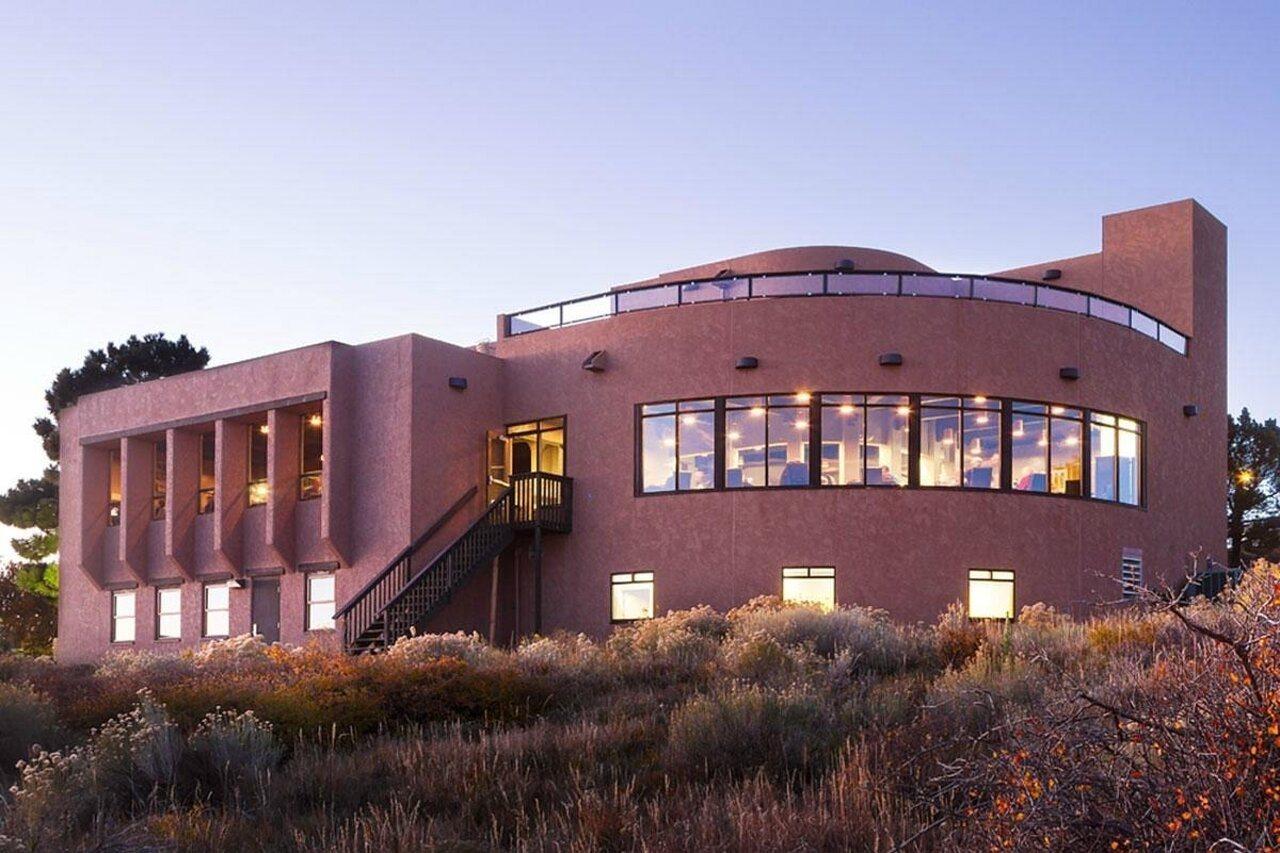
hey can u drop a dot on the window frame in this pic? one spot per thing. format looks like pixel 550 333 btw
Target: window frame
pixel 203 507
pixel 258 489
pixel 538 430
pixel 617 579
pixel 310 476
pixel 716 408
pixel 159 635
pixel 823 573
pixel 115 490
pixel 1003 408
pixel 1011 580
pixel 205 610
pixel 159 480
pixel 116 596
pixel 308 601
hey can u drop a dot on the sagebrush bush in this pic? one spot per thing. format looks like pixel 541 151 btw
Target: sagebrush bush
pixel 238 747
pixel 27 720
pixel 421 648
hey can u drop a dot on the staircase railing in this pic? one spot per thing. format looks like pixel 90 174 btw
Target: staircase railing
pixel 364 607
pixel 545 499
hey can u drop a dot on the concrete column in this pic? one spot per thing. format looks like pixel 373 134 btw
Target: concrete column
pixel 92 509
pixel 283 468
pixel 137 461
pixel 231 478
pixel 339 416
pixel 182 482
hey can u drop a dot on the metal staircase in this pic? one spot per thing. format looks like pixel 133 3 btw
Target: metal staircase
pixel 409 591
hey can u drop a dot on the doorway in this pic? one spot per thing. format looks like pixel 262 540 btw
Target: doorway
pixel 264 608
pixel 537 446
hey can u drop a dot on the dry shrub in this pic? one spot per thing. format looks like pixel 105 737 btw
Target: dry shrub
pixel 956 637
pixel 238 748
pixel 425 648
pixel 27 720
pixel 679 646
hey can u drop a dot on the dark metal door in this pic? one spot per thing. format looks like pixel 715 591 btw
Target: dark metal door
pixel 264 607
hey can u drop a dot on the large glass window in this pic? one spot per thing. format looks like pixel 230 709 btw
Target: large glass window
pixel 124 618
pixel 787 440
pixel 1115 466
pixel 810 585
pixel 217 610
pixel 990 594
pixel 744 442
pixel 1046 447
pixel 159 482
pixel 113 488
pixel 940 441
pixel 844 422
pixel 169 613
pixel 311 481
pixel 888 444
pixel 678 451
pixel 537 446
pixel 258 487
pixel 321 600
pixel 981 443
pixel 1129 461
pixel 631 596
pixel 204 497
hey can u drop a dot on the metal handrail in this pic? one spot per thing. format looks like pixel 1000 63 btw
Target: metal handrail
pixel 735 288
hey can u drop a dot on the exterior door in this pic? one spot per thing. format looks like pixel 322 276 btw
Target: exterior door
pixel 264 608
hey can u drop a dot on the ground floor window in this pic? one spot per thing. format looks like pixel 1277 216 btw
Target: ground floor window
pixel 217 610
pixel 169 613
pixel 321 597
pixel 990 594
pixel 124 617
pixel 810 585
pixel 631 596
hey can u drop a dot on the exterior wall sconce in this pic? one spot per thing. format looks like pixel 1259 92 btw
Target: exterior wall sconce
pixel 844 265
pixel 1191 410
pixel 1071 374
pixel 747 362
pixel 594 362
pixel 890 359
pixel 458 383
pixel 1051 275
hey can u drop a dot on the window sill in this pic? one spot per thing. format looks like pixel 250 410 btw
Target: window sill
pixel 168 640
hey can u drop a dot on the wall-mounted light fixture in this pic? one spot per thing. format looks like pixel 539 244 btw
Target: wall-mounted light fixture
pixel 747 362
pixel 1191 410
pixel 1051 274
pixel 594 362
pixel 458 383
pixel 890 359
pixel 1071 374
pixel 845 265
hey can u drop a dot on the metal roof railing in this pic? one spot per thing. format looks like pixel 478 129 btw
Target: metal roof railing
pixel 797 284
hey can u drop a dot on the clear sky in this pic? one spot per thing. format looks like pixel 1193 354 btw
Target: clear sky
pixel 265 175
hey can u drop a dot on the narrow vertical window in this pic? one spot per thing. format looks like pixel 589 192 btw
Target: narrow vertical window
pixel 124 616
pixel 169 613
pixel 217 610
pixel 1066 462
pixel 1131 580
pixel 981 443
pixel 258 489
pixel 844 422
pixel 311 482
pixel 113 488
pixel 787 440
pixel 321 598
pixel 744 442
pixel 814 585
pixel 1029 448
pixel 888 440
pixel 159 481
pixel 990 594
pixel 940 441
pixel 631 596
pixel 1102 456
pixel 208 476
pixel 1129 461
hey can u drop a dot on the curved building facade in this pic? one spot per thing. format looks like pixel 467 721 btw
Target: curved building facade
pixel 834 424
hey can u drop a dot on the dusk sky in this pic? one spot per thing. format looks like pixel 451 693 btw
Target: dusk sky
pixel 262 176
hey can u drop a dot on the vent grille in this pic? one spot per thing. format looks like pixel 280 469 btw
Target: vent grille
pixel 1131 576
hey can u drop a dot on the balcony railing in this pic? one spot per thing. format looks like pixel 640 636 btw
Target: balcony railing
pixel 774 285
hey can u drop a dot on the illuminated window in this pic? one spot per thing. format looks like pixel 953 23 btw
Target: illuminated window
pixel 888 439
pixel 941 441
pixel 810 585
pixel 631 596
pixel 123 616
pixel 321 598
pixel 208 475
pixel 158 481
pixel 169 613
pixel 990 594
pixel 311 483
pixel 538 446
pixel 113 488
pixel 844 421
pixel 217 610
pixel 787 440
pixel 258 488
pixel 745 439
pixel 678 446
pixel 1047 449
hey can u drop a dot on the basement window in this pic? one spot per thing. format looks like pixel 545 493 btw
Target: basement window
pixel 814 585
pixel 991 594
pixel 631 596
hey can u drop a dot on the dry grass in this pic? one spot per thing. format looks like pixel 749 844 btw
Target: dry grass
pixel 768 728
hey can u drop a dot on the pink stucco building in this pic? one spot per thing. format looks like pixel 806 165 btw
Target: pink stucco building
pixel 835 424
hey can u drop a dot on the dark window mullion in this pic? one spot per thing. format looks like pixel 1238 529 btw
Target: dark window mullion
pixel 1006 445
pixel 815 438
pixel 1086 453
pixel 718 455
pixel 913 441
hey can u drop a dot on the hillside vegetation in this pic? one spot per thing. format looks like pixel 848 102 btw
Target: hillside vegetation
pixel 771 727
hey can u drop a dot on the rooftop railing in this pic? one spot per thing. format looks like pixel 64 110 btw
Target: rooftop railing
pixel 795 284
